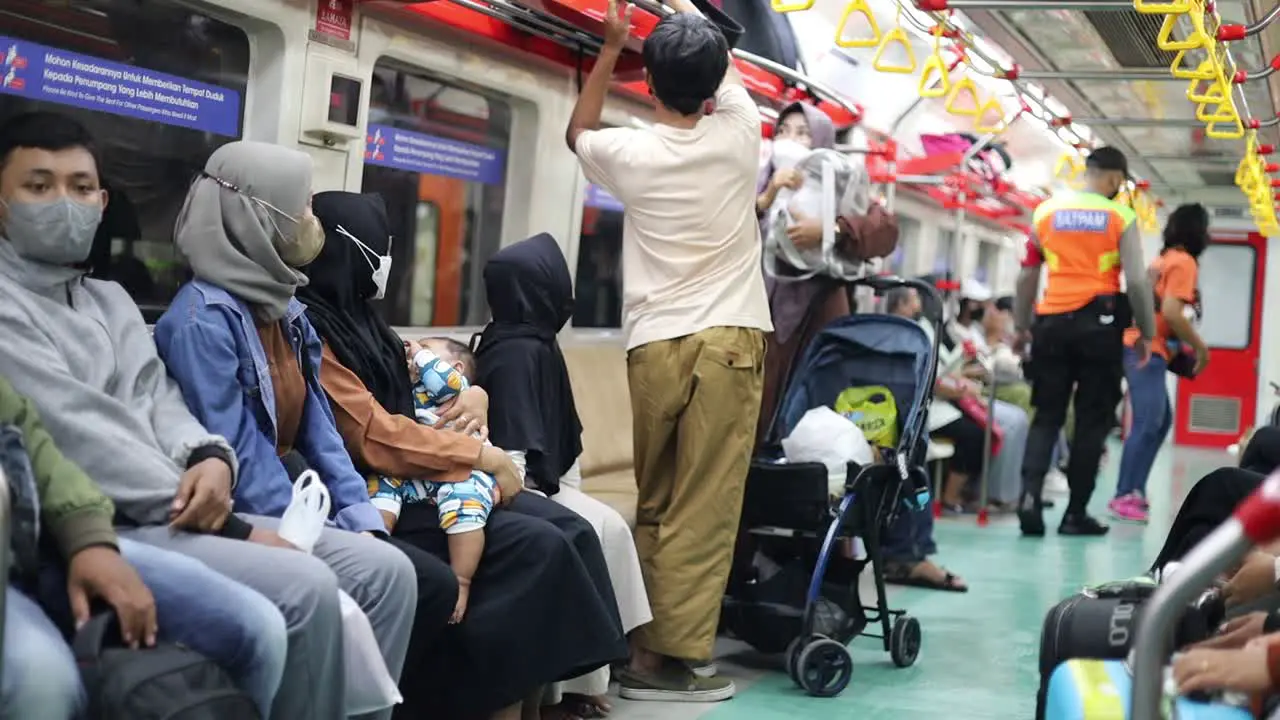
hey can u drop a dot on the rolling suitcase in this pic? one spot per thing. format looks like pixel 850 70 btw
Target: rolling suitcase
pixel 1099 623
pixel 1101 690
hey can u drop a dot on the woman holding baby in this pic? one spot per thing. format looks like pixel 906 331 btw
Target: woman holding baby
pixel 537 611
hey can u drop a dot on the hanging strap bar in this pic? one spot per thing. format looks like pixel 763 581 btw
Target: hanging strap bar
pixel 787 73
pixel 1138 122
pixel 1271 68
pixel 1232 33
pixel 1099 5
pixel 1116 75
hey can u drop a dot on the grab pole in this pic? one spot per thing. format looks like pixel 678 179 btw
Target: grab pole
pixel 1231 32
pixel 6 530
pixel 1099 75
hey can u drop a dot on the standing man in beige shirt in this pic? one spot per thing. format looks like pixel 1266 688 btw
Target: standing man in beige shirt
pixel 694 316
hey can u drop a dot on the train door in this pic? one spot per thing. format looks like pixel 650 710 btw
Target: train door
pixel 1215 408
pixel 437 153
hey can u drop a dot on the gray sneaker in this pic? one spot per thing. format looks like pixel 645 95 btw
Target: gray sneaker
pixel 674 683
pixel 704 669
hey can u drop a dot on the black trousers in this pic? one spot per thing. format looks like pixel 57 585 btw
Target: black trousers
pixel 1075 356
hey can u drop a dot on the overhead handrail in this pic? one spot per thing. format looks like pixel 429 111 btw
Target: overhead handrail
pixel 1231 32
pixel 858 7
pixel 1262 73
pixel 797 78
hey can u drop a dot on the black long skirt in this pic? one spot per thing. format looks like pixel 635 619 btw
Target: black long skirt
pixel 535 616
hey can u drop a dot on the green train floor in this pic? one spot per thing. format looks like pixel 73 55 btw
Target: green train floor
pixel 980 650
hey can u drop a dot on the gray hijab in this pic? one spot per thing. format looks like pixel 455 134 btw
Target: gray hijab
pixel 237 216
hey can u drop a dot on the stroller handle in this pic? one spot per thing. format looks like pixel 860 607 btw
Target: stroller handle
pixel 882 284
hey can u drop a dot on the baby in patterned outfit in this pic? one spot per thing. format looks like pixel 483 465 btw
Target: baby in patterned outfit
pixel 441 369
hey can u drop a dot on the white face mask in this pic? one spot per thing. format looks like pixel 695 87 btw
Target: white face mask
pixel 381 270
pixel 788 153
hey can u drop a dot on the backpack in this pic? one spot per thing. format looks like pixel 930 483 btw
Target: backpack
pixel 838 189
pixel 166 682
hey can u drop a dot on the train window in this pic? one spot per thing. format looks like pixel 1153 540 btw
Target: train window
pixel 944 252
pixel 159 85
pixel 437 154
pixel 988 257
pixel 598 282
pixel 1222 267
pixel 903 260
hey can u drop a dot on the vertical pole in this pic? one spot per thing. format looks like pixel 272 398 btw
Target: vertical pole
pixel 984 486
pixel 6 532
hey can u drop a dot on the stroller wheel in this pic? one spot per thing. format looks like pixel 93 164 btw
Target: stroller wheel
pixel 792 659
pixel 904 641
pixel 824 668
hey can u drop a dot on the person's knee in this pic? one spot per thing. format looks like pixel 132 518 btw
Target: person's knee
pixel 388 579
pixel 44 684
pixel 311 600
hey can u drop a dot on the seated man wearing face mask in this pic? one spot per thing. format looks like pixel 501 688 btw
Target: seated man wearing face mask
pixel 1086 240
pixel 79 350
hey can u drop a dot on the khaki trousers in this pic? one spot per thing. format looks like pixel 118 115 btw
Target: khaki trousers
pixel 694 403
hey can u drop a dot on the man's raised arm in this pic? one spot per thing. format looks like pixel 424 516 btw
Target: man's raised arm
pixel 586 112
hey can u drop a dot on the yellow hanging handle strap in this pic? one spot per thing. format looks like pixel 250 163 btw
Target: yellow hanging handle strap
pixel 1196 38
pixel 1068 168
pixel 991 108
pixel 897 37
pixel 1168 7
pixel 964 88
pixel 935 70
pixel 858 8
pixel 782 6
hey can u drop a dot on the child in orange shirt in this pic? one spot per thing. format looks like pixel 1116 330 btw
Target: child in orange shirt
pixel 1173 275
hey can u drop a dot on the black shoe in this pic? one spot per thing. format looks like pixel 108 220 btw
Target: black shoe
pixel 1082 525
pixel 1032 522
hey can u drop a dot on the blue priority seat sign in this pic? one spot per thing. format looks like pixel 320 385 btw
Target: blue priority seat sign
pixel 40 72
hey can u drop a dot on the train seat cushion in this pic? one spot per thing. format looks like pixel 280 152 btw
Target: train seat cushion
pixel 598 372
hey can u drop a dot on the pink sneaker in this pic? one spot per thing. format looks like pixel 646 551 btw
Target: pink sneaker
pixel 1126 508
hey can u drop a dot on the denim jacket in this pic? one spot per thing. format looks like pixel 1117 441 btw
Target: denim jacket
pixel 210 344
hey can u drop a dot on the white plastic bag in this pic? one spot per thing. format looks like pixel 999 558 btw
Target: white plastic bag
pixel 304 519
pixel 370 686
pixel 827 437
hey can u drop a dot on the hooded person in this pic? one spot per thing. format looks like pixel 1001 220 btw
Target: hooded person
pixel 238 344
pixel 799 308
pixel 537 613
pixel 533 413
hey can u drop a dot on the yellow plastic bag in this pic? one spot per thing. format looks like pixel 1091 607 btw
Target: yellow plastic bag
pixel 874 410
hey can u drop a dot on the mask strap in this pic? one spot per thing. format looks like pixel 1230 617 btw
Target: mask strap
pixel 365 251
pixel 226 185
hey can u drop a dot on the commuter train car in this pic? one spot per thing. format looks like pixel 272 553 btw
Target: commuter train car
pixel 967 113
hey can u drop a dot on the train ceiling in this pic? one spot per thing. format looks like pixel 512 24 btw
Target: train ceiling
pixel 1150 118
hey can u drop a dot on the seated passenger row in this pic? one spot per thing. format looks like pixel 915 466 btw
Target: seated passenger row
pixel 192 443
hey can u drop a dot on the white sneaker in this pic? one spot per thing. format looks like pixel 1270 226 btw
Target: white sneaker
pixel 1055 482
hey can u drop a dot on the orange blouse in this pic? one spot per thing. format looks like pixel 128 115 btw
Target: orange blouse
pixel 388 443
pixel 290 386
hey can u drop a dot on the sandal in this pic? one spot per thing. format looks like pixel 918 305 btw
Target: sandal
pixel 558 712
pixel 905 574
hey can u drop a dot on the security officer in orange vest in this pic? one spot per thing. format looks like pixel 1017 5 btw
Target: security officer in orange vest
pixel 1086 240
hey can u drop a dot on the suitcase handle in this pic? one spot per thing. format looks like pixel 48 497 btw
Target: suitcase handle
pixel 1256 521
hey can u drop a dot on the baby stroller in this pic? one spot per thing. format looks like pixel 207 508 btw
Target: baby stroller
pixel 792 589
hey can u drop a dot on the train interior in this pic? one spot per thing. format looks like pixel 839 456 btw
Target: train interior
pixel 454 111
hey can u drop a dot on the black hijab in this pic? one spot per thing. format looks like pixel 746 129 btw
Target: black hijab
pixel 519 362
pixel 337 297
